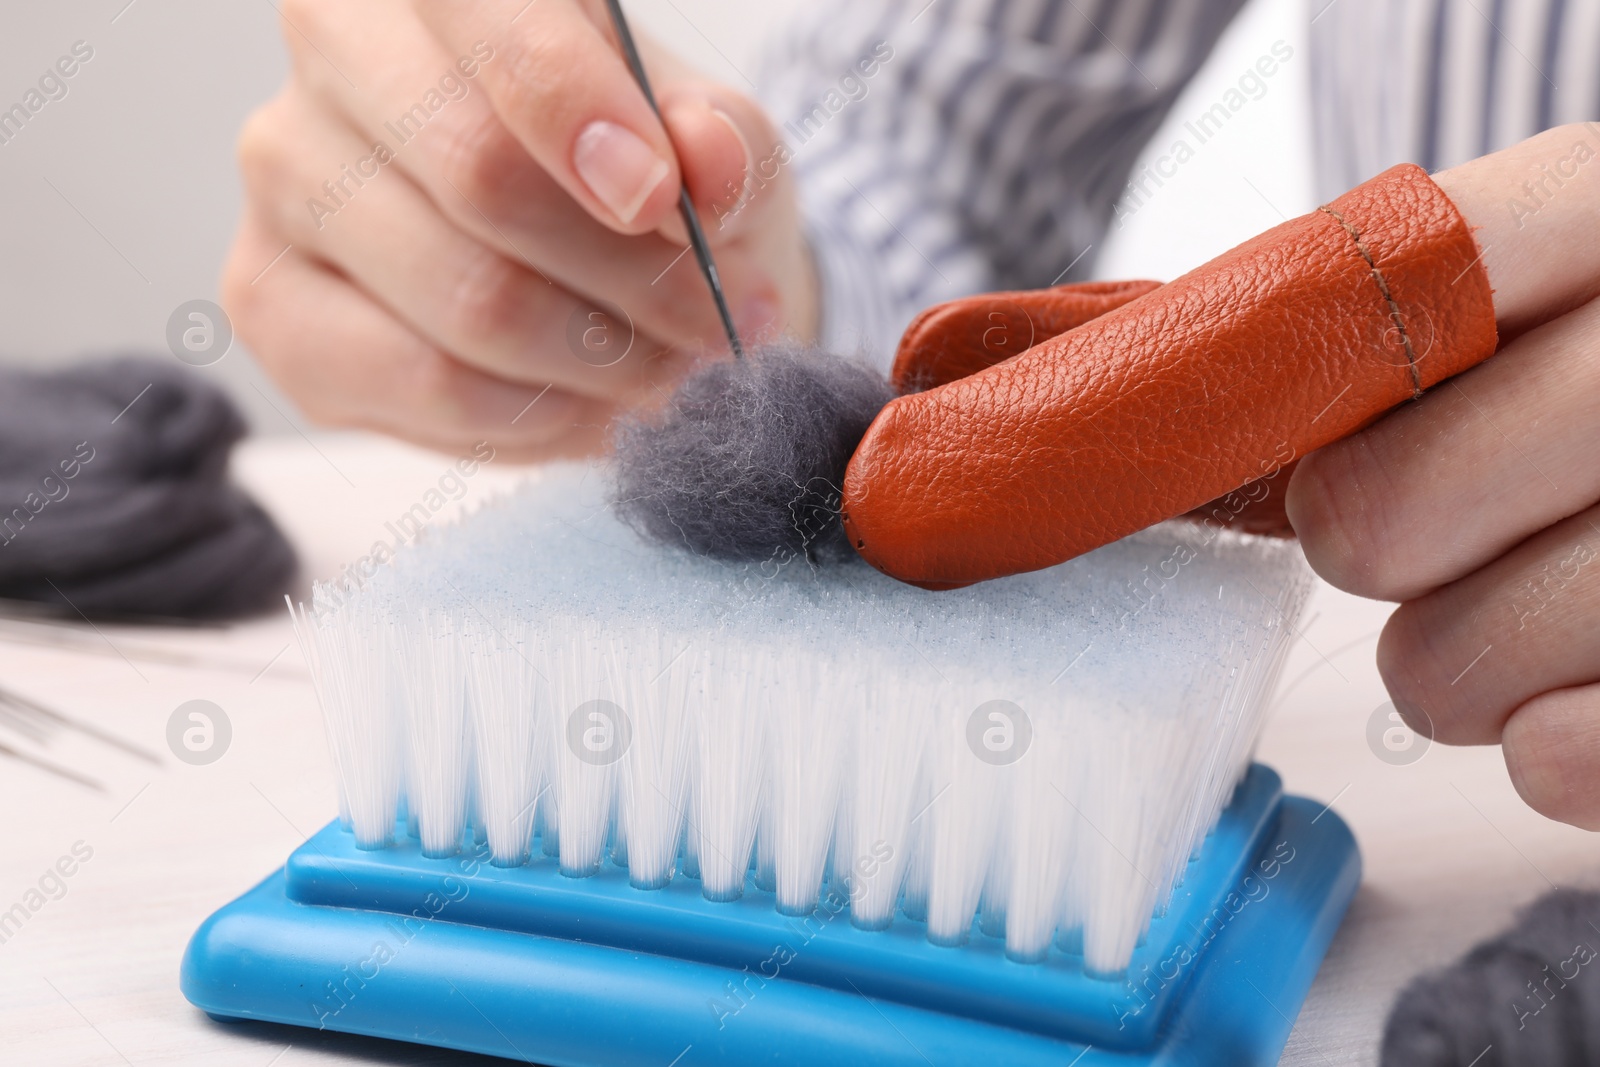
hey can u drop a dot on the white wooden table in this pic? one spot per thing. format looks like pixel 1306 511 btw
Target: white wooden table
pixel 90 977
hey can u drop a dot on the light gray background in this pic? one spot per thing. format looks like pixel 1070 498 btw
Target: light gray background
pixel 117 202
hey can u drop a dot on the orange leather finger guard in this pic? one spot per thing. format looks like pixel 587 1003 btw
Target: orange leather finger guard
pixel 961 337
pixel 1291 341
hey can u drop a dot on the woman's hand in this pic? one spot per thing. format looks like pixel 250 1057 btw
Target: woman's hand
pixel 1478 506
pixel 462 222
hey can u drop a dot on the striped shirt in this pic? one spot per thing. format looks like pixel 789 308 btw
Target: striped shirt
pixel 969 145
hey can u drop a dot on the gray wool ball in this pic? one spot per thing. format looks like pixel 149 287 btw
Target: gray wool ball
pixel 746 461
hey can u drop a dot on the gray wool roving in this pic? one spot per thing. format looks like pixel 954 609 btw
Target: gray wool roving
pixel 746 462
pixel 1530 996
pixel 115 500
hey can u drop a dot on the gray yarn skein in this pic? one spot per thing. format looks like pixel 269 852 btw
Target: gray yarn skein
pixel 746 462
pixel 1530 996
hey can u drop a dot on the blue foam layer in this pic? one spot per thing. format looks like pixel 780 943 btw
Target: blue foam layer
pixel 1231 988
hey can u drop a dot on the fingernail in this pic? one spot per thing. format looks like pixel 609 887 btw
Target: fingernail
pixel 618 167
pixel 747 183
pixel 754 318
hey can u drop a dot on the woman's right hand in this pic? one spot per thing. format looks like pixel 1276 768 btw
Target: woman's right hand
pixel 459 215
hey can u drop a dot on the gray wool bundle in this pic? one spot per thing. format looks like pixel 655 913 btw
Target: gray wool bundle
pixel 115 500
pixel 746 461
pixel 1529 996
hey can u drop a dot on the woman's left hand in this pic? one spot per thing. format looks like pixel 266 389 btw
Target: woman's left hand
pixel 1477 507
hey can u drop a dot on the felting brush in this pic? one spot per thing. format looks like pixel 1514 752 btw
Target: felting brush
pixel 605 802
pixel 691 219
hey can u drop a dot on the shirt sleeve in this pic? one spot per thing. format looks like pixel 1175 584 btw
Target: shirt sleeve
pixel 1438 84
pixel 956 147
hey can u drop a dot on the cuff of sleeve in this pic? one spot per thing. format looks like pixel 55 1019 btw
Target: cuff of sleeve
pixel 858 315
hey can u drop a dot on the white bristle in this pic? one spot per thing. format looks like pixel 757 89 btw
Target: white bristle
pixel 805 738
pixel 588 738
pixel 347 668
pixel 1034 853
pixel 654 786
pixel 884 764
pixel 509 743
pixel 1035 759
pixel 961 816
pixel 429 668
pixel 547 813
pixel 736 692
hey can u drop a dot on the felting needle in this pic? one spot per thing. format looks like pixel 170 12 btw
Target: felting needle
pixel 691 221
pixel 56 769
pixel 23 704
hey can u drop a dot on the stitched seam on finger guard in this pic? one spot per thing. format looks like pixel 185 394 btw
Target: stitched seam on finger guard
pixel 1383 287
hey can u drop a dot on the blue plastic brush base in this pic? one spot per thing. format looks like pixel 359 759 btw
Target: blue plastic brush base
pixel 527 964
